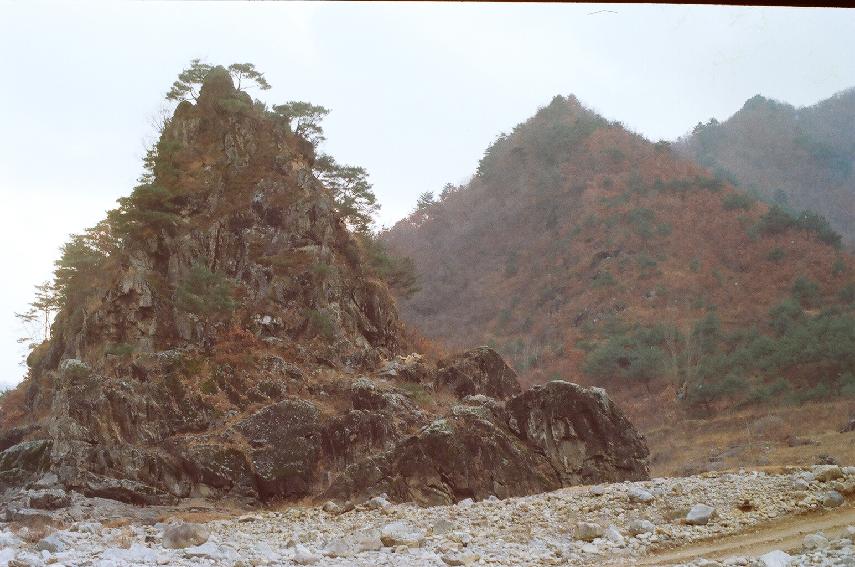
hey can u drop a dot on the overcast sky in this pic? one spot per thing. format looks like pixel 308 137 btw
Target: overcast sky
pixel 416 91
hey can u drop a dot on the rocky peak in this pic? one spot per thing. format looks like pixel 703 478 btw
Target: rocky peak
pixel 223 337
pixel 233 199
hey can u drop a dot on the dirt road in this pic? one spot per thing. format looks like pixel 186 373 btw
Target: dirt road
pixel 785 533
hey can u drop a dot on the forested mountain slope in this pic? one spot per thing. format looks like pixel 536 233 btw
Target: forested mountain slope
pixel 584 251
pixel 797 157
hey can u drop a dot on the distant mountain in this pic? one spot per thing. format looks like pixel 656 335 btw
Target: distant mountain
pixel 797 157
pixel 583 251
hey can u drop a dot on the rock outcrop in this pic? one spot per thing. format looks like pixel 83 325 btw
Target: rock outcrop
pixel 560 434
pixel 144 394
pixel 585 437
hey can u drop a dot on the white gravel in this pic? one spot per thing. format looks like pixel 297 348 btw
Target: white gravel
pixel 534 530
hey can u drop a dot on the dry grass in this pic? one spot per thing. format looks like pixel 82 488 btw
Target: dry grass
pixel 114 523
pixel 35 529
pixel 13 408
pixel 124 539
pixel 201 516
pixel 756 438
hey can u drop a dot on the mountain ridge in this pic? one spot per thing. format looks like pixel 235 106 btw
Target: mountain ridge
pixel 798 157
pixel 576 233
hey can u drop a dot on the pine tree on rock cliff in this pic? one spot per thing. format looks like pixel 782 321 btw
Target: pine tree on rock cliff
pixel 187 85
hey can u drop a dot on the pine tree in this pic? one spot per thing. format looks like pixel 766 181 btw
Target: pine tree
pixel 354 198
pixel 304 118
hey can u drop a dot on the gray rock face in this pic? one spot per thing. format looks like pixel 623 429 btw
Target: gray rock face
pixel 457 457
pixel 479 371
pixel 551 436
pixel 286 443
pixel 49 499
pixel 586 438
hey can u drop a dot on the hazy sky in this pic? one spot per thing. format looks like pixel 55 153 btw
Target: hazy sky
pixel 416 91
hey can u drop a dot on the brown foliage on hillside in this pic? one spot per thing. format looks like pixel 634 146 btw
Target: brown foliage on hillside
pixel 799 157
pixel 574 224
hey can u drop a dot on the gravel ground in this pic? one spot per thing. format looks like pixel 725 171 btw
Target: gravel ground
pixel 615 524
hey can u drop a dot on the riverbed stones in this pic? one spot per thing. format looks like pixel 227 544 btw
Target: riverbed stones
pixel 700 515
pixel 183 535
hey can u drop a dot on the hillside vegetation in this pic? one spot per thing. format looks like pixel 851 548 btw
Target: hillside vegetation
pixel 582 250
pixel 228 331
pixel 801 158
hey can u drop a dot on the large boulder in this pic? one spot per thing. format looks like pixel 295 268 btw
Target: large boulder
pixel 24 461
pixel 478 371
pixel 470 453
pixel 560 434
pixel 585 437
pixel 285 441
pixel 214 462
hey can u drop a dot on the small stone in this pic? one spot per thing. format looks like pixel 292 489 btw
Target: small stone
pixel 220 554
pixel 51 544
pixel 466 502
pixel 363 540
pixel 832 499
pixel 303 556
pixel 367 540
pixel 378 503
pixel 827 473
pixel 700 515
pixel 338 548
pixel 598 490
pixel 613 535
pixel 456 559
pixel 178 536
pixel 401 533
pixel 92 528
pixel 442 526
pixel 27 516
pixel 333 508
pixel 815 541
pixel 637 494
pixel 775 558
pixel 588 531
pixel 590 548
pixel 636 527
pixel 8 539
